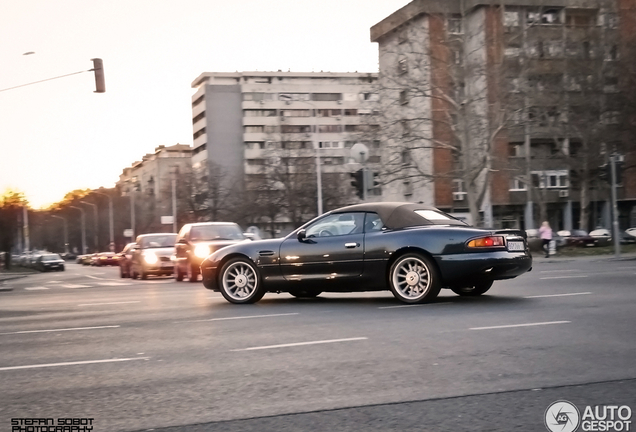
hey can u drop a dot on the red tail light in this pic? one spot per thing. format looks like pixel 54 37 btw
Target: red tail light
pixel 490 241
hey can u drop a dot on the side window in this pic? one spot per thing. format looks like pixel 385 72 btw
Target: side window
pixel 373 223
pixel 337 225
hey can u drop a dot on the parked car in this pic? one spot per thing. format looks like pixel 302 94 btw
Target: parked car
pixel 88 259
pixel 412 250
pixel 198 240
pixel 603 236
pixel 123 260
pixel 48 262
pixel 627 238
pixel 581 238
pixel 103 259
pixel 151 255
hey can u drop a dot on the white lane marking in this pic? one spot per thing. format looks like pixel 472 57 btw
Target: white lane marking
pixel 37 288
pixel 557 271
pixel 565 277
pixel 54 282
pixel 413 305
pixel 93 277
pixel 240 317
pixel 72 363
pixel 112 303
pixel 519 325
pixel 111 283
pixel 300 344
pixel 62 329
pixel 558 295
pixel 74 286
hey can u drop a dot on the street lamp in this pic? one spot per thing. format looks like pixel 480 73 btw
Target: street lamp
pixel 110 220
pixel 316 146
pixel 83 228
pixel 65 225
pixel 96 223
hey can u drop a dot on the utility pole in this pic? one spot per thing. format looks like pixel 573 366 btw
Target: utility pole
pixel 65 225
pixel 111 231
pixel 96 224
pixel 615 233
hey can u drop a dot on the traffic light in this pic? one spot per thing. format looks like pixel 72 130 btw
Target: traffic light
pixel 357 182
pixel 98 68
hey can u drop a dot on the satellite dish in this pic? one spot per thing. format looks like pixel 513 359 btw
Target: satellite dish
pixel 360 152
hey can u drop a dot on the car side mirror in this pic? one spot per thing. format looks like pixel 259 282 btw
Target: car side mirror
pixel 301 235
pixel 182 241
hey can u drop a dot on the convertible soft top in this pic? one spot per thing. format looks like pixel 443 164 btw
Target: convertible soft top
pixel 396 215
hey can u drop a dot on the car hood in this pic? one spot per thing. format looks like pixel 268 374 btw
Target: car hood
pixel 215 245
pixel 165 251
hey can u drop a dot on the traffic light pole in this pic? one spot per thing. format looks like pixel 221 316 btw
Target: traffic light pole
pixel 615 232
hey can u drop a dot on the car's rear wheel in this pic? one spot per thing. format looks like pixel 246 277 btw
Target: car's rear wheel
pixel 304 293
pixel 240 282
pixel 413 278
pixel 193 274
pixel 474 290
pixel 133 274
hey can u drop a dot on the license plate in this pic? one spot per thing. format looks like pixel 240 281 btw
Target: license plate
pixel 516 246
pixel 166 264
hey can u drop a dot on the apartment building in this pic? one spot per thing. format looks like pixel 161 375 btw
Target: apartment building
pixel 148 183
pixel 269 132
pixel 512 108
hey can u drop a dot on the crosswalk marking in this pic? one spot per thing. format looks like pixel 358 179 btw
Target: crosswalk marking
pixel 74 286
pixel 37 288
pixel 111 283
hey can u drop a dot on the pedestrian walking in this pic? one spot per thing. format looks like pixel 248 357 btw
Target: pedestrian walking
pixel 545 232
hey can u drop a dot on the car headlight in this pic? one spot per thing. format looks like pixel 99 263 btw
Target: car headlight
pixel 150 258
pixel 202 251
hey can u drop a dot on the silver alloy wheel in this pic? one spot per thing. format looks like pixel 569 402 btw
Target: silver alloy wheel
pixel 411 278
pixel 240 280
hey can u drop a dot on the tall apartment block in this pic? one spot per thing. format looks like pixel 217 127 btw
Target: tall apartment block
pixel 528 94
pixel 245 124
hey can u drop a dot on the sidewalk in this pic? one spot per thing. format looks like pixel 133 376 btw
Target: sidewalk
pixel 538 257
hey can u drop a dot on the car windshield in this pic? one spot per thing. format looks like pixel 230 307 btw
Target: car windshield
pixel 216 232
pixel 159 241
pixel 52 257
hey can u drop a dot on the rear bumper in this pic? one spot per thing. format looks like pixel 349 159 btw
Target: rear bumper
pixel 471 267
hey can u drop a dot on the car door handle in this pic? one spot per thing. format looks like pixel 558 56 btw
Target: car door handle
pixel 351 245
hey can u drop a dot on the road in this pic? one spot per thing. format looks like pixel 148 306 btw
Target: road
pixel 172 356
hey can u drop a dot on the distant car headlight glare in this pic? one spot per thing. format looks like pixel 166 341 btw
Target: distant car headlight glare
pixel 150 258
pixel 202 251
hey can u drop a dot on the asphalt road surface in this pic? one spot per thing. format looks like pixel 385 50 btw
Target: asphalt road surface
pixel 174 357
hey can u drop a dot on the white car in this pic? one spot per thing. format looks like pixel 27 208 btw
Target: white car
pixel 602 232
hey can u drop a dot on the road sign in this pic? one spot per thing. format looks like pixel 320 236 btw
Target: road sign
pixel 128 232
pixel 166 220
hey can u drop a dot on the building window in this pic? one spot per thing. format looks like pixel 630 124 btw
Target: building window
pixel 406 127
pixel 371 97
pixel 406 157
pixel 350 112
pixel 404 97
pixel 402 67
pixel 326 96
pixel 517 150
pixel 329 128
pixel 198 117
pixel 258 96
pixel 199 149
pixel 547 16
pixel 517 185
pixel 254 129
pixel 295 113
pixel 198 100
pixel 454 25
pixel 330 144
pixel 198 133
pixel 407 187
pixel 260 113
pixel 554 179
pixel 329 113
pixel 289 97
pixel 295 129
pixel 511 19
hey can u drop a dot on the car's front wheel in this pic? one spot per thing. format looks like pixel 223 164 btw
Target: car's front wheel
pixel 178 275
pixel 193 274
pixel 240 282
pixel 474 290
pixel 413 278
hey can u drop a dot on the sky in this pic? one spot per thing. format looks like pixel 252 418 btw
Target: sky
pixel 58 135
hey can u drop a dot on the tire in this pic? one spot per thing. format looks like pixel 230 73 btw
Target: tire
pixel 122 274
pixel 193 274
pixel 143 275
pixel 240 282
pixel 413 279
pixel 133 274
pixel 473 291
pixel 178 276
pixel 302 293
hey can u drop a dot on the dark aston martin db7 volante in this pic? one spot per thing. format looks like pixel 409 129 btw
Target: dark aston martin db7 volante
pixel 412 249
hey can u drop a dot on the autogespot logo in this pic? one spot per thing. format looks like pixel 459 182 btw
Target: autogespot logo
pixel 562 416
